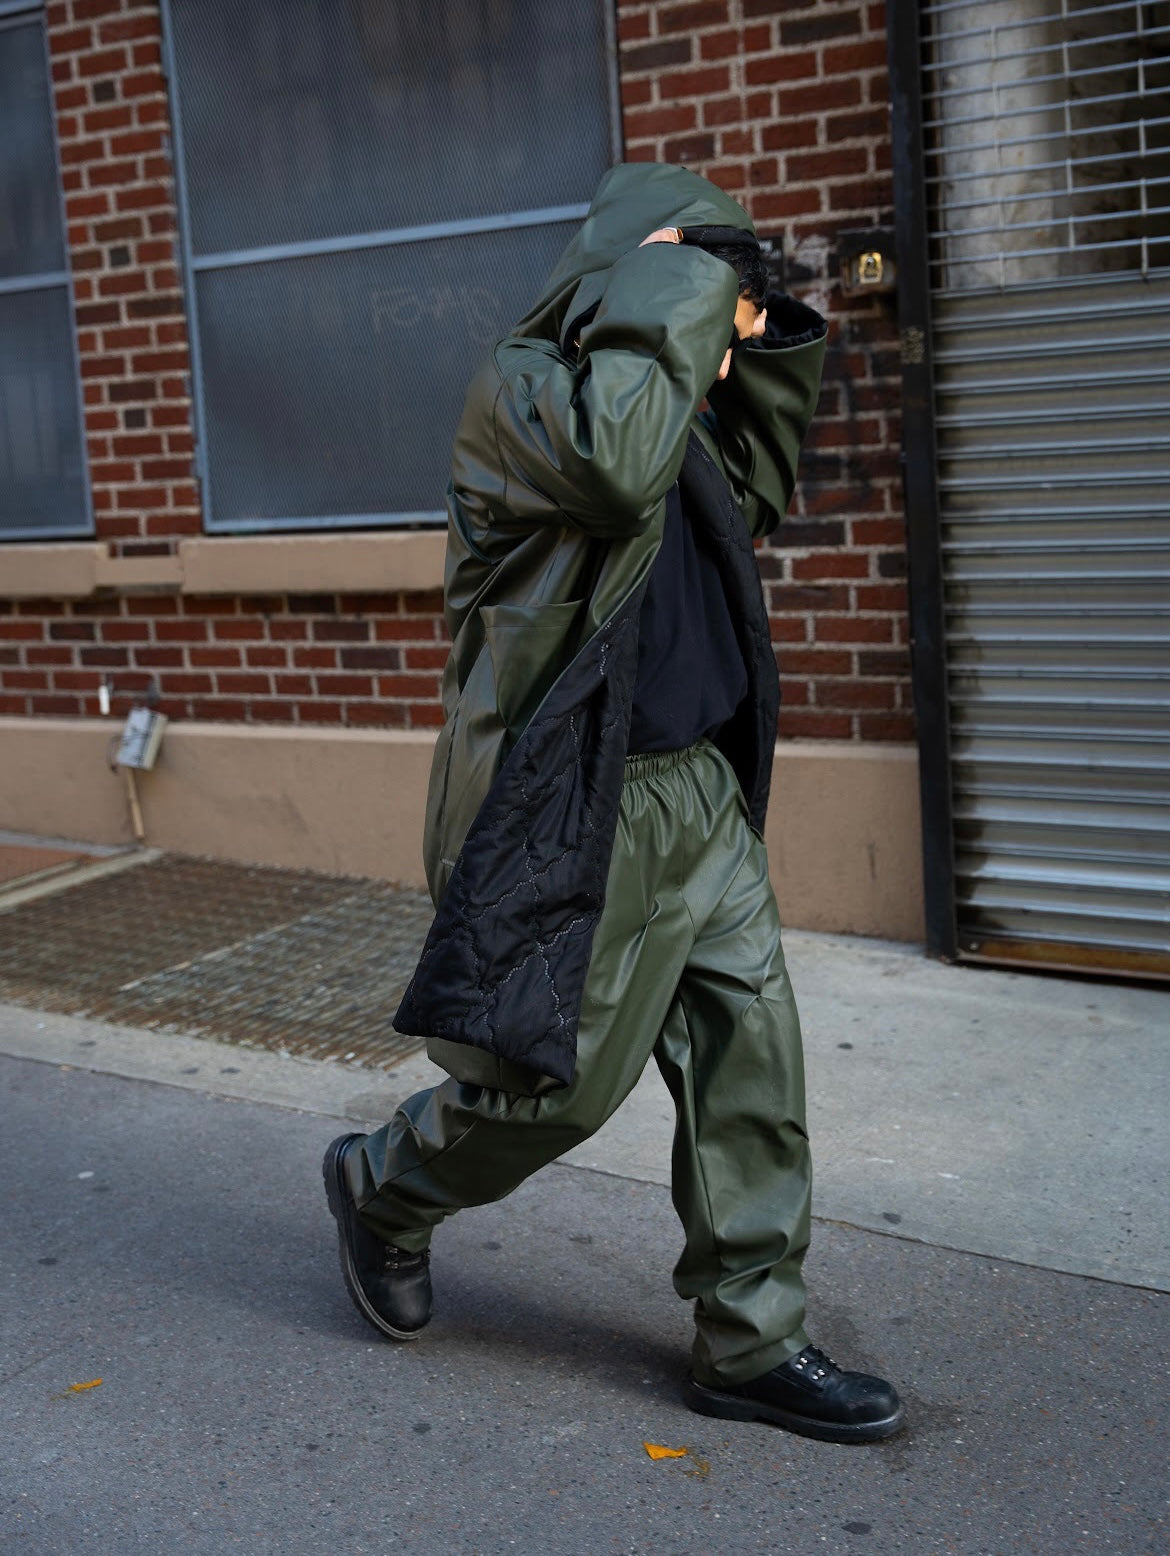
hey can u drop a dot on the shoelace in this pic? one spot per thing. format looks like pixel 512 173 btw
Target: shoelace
pixel 399 1259
pixel 815 1364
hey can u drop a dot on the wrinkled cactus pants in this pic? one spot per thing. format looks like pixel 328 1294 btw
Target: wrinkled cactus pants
pixel 687 965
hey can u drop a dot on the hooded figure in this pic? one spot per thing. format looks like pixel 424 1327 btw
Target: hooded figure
pixel 595 816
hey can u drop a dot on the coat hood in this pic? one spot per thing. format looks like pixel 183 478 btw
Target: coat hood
pixel 631 201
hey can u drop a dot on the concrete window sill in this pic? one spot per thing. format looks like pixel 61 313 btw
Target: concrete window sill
pixel 408 561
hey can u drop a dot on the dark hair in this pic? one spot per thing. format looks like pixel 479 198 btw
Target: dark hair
pixel 739 250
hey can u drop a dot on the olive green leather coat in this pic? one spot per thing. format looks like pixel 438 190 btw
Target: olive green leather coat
pixel 572 434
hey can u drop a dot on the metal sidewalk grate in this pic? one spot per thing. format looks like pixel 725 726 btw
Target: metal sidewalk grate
pixel 286 960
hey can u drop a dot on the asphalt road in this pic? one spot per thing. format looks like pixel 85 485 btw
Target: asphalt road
pixel 177 1247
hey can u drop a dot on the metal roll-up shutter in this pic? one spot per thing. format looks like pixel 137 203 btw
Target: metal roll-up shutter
pixel 1048 164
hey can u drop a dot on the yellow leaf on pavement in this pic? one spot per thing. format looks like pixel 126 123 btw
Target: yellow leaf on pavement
pixel 657 1451
pixel 80 1388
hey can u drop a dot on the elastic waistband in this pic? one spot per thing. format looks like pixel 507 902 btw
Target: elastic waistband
pixel 648 764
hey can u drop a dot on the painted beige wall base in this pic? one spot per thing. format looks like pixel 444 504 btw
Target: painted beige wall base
pixel 843 837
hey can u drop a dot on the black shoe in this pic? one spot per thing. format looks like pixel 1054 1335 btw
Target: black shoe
pixel 808 1394
pixel 391 1289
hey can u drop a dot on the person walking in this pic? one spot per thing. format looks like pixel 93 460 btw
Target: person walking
pixel 594 832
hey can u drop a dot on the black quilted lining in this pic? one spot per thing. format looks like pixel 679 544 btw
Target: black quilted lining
pixel 503 967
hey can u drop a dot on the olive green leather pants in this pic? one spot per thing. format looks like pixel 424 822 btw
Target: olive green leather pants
pixel 687 965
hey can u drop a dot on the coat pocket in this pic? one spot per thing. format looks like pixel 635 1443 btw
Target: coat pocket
pixel 529 646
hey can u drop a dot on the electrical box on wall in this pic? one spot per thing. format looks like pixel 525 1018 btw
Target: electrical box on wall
pixel 868 262
pixel 141 739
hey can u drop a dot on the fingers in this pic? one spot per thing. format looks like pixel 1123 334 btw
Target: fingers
pixel 662 235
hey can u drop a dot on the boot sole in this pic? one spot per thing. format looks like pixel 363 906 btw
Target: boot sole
pixel 337 1194
pixel 734 1407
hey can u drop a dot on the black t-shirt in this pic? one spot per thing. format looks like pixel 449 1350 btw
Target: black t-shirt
pixel 691 675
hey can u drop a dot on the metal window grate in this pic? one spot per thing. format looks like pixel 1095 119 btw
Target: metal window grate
pixel 1048 140
pixel 43 486
pixel 370 196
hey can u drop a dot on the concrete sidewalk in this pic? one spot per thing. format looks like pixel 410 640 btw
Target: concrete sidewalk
pixel 1006 1114
pixel 180 1369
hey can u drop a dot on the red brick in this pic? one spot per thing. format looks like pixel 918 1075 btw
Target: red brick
pixel 426 715
pixel 841 564
pixel 142 84
pixel 782 66
pixel 153 657
pixel 799 100
pixel 345 685
pixel 79 206
pixel 843 162
pixel 141 197
pixel 885 726
pixel 689 148
pixel 657 55
pixel 240 683
pixel 724 110
pixel 861 194
pixel 665 120
pixel 816 29
pixel 721 45
pixel 423 602
pixel 386 714
pixel 813 661
pixel 220 658
pixel 315 658
pixel 853 629
pixel 813 724
pixel 688 16
pixel 632 25
pixel 793 202
pixel 124 28
pixel 788 629
pixel 237 629
pixel 320 712
pixel 76 152
pixel 703 81
pixel 293 685
pixel 71 40
pixel 849 58
pixel 266 655
pixel 854 694
pixel 136 142
pixel 102 62
pixel 181 631
pixel 857 126
pixel 399 627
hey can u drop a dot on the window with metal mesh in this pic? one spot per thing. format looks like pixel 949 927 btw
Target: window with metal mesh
pixel 1048 139
pixel 371 194
pixel 43 490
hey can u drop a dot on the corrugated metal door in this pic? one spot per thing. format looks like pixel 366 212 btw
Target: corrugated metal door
pixel 1047 141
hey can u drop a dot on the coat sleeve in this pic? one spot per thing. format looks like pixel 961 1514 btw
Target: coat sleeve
pixel 763 409
pixel 598 443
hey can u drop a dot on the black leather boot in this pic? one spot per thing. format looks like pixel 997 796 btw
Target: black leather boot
pixel 808 1394
pixel 391 1289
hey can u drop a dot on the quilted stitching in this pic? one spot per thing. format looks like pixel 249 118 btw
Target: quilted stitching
pixel 503 967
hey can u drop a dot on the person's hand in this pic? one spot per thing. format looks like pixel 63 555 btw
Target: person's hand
pixel 662 235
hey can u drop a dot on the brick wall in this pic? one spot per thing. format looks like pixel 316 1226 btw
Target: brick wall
pixel 309 659
pixel 782 102
pixel 113 127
